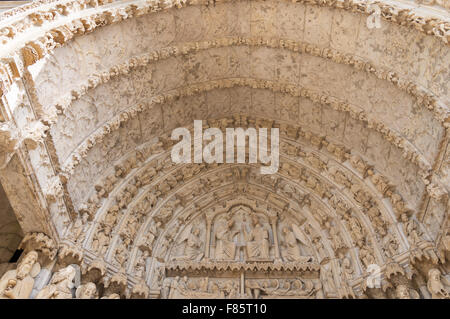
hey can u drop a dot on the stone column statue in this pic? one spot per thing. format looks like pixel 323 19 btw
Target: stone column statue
pixel 18 283
pixel 60 286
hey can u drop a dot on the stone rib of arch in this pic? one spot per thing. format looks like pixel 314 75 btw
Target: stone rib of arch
pixel 409 150
pixel 429 100
pixel 88 22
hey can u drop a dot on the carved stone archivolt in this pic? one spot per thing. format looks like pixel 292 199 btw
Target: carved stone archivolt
pixel 357 209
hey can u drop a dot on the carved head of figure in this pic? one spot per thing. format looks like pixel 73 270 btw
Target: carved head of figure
pixel 26 265
pixel 285 230
pixel 10 285
pixel 404 218
pixel 84 218
pixel 382 231
pixel 196 231
pixel 90 290
pixel 255 221
pixel 434 275
pixel 87 291
pixel 402 292
pixel 346 262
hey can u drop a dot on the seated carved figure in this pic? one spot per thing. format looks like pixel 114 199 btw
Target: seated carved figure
pixel 193 246
pixel 225 247
pixel 257 240
pixel 86 291
pixel 18 283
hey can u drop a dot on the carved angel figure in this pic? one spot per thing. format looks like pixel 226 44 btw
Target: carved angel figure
pixel 192 249
pixel 335 236
pixel 316 240
pixel 390 245
pixel 165 214
pixel 292 251
pixel 101 240
pixel 355 228
pixel 78 229
pixel 141 264
pixel 346 268
pixel 121 254
pixel 18 283
pixel 111 216
pixel 130 226
pixel 149 238
pixel 366 256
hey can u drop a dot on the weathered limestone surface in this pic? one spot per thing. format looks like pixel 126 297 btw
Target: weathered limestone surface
pixel 90 92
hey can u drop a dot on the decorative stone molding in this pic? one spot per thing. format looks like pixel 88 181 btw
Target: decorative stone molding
pixel 402 16
pixel 117 284
pixel 429 100
pixel 408 149
pixel 68 254
pixel 223 266
pixel 41 243
pixel 95 271
pixel 140 291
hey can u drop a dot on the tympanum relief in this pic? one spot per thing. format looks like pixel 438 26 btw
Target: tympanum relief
pixel 226 244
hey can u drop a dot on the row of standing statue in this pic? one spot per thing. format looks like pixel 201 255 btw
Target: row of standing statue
pixel 20 283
